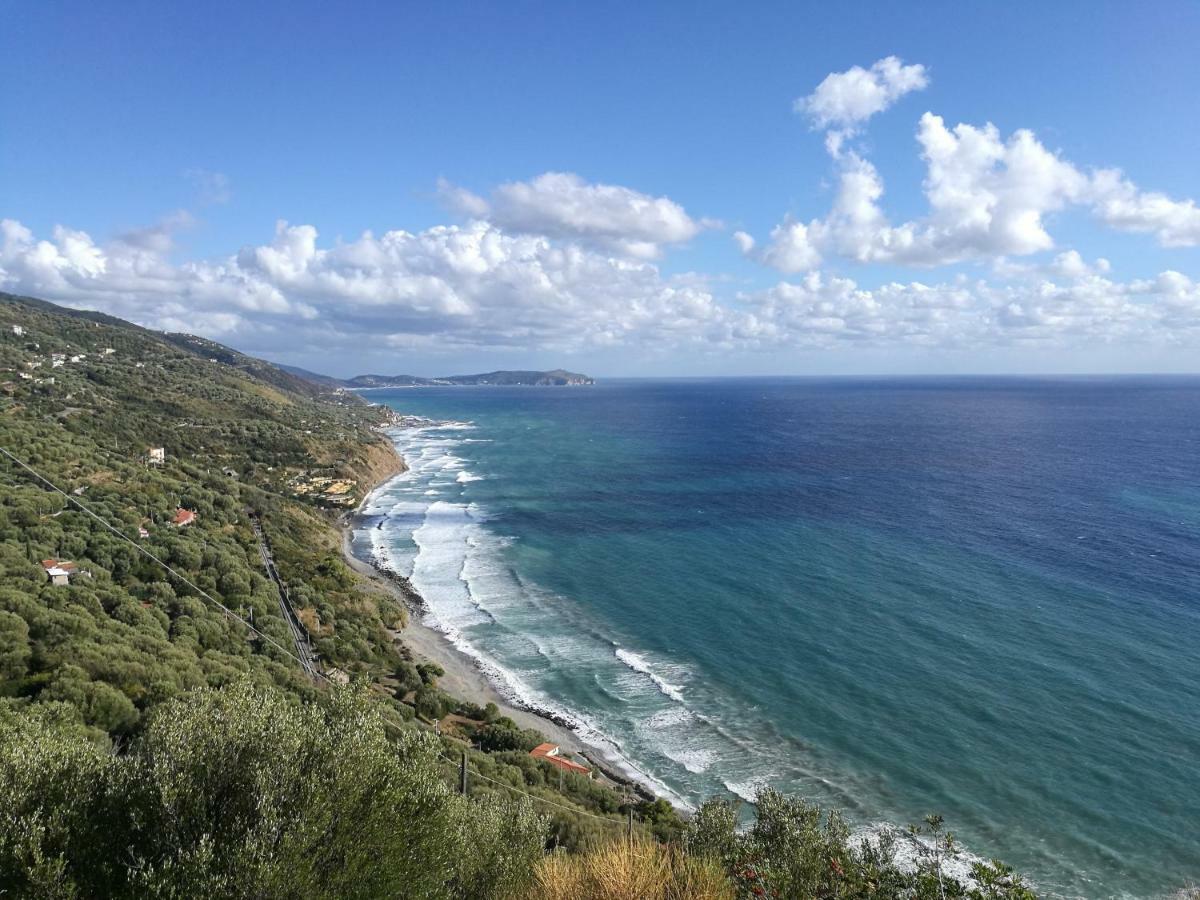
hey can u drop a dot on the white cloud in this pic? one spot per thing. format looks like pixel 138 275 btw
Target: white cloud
pixel 479 287
pixel 563 205
pixel 844 101
pixel 744 241
pixel 1119 203
pixel 988 197
pixel 469 286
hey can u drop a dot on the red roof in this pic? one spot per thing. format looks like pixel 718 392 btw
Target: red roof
pixel 65 565
pixel 183 517
pixel 549 752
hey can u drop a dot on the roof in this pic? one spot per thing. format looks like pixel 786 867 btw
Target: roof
pixel 183 517
pixel 64 566
pixel 550 753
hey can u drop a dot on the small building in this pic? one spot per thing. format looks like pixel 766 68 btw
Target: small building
pixel 552 754
pixel 142 532
pixel 156 456
pixel 59 571
pixel 109 351
pixel 18 330
pixel 183 518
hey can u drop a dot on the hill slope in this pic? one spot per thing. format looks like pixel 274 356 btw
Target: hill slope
pixel 553 377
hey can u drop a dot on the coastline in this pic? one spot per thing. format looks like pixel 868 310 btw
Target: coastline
pixel 463 677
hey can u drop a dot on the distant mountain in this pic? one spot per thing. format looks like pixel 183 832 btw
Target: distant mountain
pixel 313 377
pixel 553 377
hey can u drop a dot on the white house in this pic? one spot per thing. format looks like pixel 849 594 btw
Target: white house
pixel 18 330
pixel 156 456
pixel 59 571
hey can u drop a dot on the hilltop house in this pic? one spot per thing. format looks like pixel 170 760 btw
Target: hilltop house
pixel 183 517
pixel 551 753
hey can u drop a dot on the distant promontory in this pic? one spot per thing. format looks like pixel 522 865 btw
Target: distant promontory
pixel 554 377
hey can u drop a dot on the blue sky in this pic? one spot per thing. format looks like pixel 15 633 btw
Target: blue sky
pixel 148 150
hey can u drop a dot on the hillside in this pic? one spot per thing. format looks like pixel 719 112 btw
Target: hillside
pixel 551 378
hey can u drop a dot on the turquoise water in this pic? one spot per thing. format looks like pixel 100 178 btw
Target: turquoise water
pixel 978 597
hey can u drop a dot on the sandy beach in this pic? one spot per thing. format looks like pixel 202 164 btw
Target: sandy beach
pixel 463 678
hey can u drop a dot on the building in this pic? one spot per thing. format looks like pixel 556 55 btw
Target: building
pixel 18 330
pixel 551 753
pixel 109 351
pixel 59 571
pixel 156 456
pixel 183 517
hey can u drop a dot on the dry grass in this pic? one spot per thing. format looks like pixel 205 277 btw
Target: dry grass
pixel 628 870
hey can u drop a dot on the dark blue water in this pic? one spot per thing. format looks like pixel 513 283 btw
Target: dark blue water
pixel 979 597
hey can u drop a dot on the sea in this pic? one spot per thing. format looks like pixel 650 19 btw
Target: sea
pixel 977 597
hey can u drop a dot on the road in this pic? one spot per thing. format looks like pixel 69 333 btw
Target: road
pixel 304 650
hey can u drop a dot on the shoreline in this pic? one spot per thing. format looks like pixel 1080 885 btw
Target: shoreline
pixel 464 678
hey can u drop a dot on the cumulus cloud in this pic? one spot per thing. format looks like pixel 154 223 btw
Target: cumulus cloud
pixel 989 197
pixel 829 311
pixel 1118 202
pixel 844 101
pixel 478 286
pixel 449 286
pixel 563 205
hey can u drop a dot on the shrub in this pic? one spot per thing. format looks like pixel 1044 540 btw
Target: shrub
pixel 624 869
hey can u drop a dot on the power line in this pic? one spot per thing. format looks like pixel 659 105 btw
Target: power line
pixel 167 567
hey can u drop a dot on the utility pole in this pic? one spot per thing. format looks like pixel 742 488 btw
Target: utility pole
pixel 462 772
pixel 631 824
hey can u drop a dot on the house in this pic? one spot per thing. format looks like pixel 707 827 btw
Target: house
pixel 109 351
pixel 79 357
pixel 551 753
pixel 56 360
pixel 18 330
pixel 59 571
pixel 183 517
pixel 156 455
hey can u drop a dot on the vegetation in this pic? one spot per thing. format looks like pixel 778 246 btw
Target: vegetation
pixel 152 746
pixel 241 792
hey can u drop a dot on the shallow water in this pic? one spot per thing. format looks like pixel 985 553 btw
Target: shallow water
pixel 979 597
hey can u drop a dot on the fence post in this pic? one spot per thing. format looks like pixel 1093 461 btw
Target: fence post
pixel 462 772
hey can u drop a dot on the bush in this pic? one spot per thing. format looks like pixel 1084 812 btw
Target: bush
pixel 629 870
pixel 242 792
